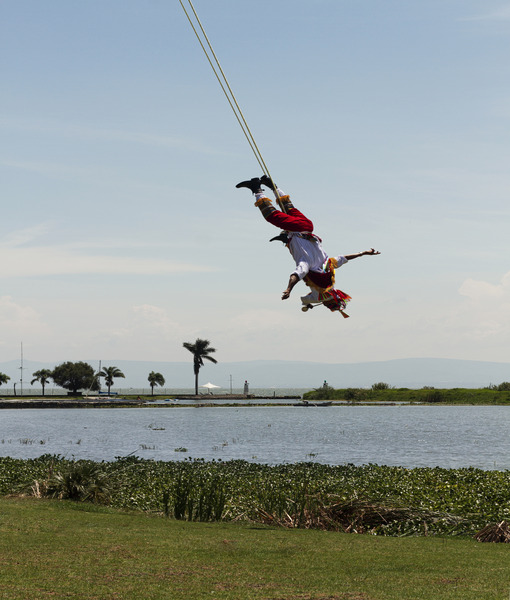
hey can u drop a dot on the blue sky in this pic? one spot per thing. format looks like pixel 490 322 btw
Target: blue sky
pixel 122 234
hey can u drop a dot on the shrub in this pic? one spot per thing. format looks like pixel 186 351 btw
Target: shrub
pixel 381 386
pixel 350 394
pixel 356 394
pixel 325 392
pixel 433 396
pixel 81 481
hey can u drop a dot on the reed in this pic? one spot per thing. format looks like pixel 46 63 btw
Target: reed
pixel 359 516
pixel 197 499
pixel 496 532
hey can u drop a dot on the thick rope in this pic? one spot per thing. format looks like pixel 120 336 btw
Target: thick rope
pixel 225 86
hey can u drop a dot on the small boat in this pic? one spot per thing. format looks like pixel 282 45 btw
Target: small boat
pixel 307 403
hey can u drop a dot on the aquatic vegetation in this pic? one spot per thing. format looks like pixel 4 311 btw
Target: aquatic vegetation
pixel 197 497
pixel 362 516
pixel 381 500
pixel 82 481
pixel 30 442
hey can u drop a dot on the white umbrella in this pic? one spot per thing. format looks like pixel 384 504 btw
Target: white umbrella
pixel 210 386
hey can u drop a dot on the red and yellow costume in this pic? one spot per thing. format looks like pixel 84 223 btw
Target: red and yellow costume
pixel 313 265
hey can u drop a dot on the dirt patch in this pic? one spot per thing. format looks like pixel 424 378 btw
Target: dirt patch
pixel 345 596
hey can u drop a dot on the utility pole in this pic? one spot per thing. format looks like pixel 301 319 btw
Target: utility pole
pixel 21 372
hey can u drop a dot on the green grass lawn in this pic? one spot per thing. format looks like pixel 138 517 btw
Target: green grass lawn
pixel 51 549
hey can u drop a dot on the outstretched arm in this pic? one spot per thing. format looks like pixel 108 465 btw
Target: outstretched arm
pixel 292 282
pixel 370 252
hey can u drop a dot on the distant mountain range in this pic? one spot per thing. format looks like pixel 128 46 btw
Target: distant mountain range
pixel 408 372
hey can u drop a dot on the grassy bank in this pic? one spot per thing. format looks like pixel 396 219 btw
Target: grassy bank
pixel 423 396
pixel 69 550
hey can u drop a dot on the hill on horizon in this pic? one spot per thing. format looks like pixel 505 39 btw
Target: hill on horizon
pixel 407 372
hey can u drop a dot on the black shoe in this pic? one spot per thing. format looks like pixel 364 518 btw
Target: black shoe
pixel 251 184
pixel 268 182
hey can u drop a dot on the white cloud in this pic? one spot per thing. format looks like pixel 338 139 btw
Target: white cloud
pixel 52 260
pixel 486 313
pixel 24 236
pixel 500 14
pixel 143 330
pixel 18 322
pixel 483 291
pixel 20 258
pixel 48 169
pixel 262 321
pixel 90 133
pixel 155 319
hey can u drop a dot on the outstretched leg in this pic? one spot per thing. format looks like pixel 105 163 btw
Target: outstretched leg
pixel 290 220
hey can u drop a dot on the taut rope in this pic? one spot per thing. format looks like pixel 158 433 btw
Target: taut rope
pixel 224 84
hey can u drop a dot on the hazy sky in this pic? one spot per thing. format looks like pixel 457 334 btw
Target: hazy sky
pixel 122 233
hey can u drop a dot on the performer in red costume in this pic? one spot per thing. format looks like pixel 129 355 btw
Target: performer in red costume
pixel 313 265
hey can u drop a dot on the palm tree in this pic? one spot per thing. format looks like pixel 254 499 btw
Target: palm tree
pixel 109 374
pixel 155 379
pixel 42 376
pixel 200 350
pixel 4 378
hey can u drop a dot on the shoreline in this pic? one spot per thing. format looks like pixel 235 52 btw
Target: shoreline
pixel 229 402
pixel 116 402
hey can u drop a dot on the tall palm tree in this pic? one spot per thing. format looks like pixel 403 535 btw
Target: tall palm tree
pixel 200 350
pixel 4 378
pixel 155 379
pixel 42 376
pixel 109 374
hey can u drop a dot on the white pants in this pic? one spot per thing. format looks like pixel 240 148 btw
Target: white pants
pixel 310 298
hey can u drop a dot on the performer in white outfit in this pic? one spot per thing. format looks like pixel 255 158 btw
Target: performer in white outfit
pixel 312 263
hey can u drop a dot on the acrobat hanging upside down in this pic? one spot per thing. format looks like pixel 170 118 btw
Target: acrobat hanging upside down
pixel 313 265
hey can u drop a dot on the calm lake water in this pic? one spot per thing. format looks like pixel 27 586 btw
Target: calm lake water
pixel 410 436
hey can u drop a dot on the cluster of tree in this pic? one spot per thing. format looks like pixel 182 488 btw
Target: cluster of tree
pixel 502 387
pixel 75 376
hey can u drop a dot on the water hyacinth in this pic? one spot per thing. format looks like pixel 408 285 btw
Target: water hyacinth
pixel 412 501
